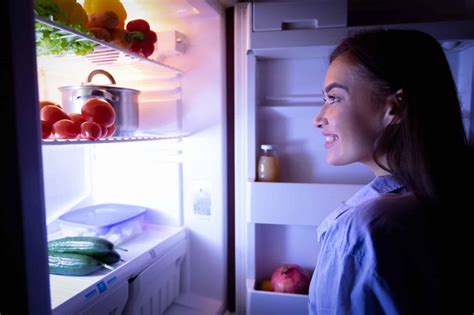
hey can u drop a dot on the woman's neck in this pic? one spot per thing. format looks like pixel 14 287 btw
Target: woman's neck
pixel 376 168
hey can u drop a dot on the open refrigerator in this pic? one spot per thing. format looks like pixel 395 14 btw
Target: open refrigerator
pixel 174 165
pixel 281 57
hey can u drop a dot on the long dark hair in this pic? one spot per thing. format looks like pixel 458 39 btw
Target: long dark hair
pixel 426 144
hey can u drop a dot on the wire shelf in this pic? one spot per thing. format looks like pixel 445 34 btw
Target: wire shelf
pixel 105 53
pixel 162 136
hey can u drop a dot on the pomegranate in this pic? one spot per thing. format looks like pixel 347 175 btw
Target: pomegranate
pixel 290 278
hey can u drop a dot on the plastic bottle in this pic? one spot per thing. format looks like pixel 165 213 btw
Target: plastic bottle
pixel 268 164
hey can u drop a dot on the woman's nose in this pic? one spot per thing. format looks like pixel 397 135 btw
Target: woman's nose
pixel 320 120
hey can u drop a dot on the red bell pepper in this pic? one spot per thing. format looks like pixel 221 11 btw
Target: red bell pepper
pixel 143 39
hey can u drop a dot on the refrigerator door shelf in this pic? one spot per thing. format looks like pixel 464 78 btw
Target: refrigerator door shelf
pixel 277 203
pixel 263 302
pixel 77 294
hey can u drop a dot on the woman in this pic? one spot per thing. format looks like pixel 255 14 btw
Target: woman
pixel 398 246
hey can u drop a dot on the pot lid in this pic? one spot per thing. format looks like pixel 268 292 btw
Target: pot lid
pixel 89 85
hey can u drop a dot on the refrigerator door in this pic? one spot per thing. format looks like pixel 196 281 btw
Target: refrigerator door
pixel 23 228
pixel 279 75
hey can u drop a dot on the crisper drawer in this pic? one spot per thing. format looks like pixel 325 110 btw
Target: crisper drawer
pixel 309 14
pixel 113 303
pixel 154 289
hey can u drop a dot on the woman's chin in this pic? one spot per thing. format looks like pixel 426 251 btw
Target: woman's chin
pixel 335 161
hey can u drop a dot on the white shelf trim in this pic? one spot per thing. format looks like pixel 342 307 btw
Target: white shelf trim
pixel 295 203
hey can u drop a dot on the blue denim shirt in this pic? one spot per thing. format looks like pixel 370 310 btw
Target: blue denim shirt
pixel 372 252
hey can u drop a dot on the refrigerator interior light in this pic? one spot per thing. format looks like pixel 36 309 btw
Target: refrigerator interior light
pixel 164 9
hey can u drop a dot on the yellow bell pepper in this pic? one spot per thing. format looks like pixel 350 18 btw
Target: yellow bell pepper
pixel 96 6
pixel 71 12
pixel 78 15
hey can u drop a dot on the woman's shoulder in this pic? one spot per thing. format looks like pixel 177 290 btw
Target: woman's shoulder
pixel 387 227
pixel 389 217
pixel 387 210
pixel 375 217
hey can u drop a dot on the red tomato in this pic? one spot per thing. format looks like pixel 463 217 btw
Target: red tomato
pixel 52 114
pixel 99 111
pixel 111 131
pixel 65 129
pixel 77 118
pixel 45 103
pixel 103 132
pixel 90 130
pixel 46 129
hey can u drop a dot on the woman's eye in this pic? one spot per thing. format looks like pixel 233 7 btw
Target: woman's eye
pixel 330 99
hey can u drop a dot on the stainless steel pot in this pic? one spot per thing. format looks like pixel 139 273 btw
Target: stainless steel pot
pixel 123 100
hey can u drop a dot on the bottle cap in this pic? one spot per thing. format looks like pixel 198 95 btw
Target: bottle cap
pixel 267 146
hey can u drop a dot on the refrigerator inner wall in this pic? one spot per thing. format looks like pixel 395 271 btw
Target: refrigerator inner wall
pixel 181 180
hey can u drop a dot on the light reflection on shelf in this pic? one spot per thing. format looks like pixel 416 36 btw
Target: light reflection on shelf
pixel 163 136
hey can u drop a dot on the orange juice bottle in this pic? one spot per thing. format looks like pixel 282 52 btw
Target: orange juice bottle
pixel 268 164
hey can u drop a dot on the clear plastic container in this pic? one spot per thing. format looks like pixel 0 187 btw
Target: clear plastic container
pixel 268 168
pixel 114 222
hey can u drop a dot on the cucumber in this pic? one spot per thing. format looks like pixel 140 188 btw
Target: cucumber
pixel 84 245
pixel 72 264
pixel 109 258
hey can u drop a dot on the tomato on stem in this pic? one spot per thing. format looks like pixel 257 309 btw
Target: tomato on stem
pixel 90 130
pixel 65 129
pixel 52 114
pixel 46 129
pixel 77 118
pixel 111 130
pixel 99 111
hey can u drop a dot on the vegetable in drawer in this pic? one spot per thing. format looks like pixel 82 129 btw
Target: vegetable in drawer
pixel 84 245
pixel 81 255
pixel 73 264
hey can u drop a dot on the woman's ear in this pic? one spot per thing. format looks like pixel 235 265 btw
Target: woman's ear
pixel 393 108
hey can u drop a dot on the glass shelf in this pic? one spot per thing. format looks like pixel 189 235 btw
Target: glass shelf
pixel 105 53
pixel 162 136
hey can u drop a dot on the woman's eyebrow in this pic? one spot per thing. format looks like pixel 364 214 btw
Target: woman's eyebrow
pixel 335 85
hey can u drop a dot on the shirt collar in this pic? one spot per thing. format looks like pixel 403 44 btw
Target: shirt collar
pixel 385 184
pixel 378 186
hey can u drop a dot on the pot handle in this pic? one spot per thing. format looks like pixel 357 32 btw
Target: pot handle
pixel 109 97
pixel 100 71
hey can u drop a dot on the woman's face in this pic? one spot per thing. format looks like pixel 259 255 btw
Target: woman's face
pixel 349 119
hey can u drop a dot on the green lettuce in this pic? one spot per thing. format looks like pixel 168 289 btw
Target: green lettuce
pixel 53 41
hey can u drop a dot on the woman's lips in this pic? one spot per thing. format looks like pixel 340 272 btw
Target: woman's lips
pixel 330 139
